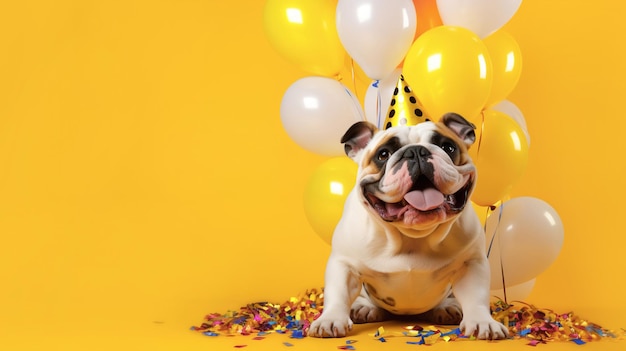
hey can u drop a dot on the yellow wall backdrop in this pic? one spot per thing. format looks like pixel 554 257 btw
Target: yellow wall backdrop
pixel 146 180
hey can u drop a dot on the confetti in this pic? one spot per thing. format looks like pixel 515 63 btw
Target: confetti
pixel 295 315
pixel 380 331
pixel 544 325
pixel 524 321
pixel 297 334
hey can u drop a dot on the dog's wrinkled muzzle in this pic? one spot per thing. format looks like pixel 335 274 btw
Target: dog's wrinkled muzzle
pixel 409 188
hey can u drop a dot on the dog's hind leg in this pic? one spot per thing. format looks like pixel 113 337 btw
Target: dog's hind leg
pixel 448 312
pixel 365 311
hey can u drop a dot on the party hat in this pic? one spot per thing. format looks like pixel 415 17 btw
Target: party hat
pixel 405 109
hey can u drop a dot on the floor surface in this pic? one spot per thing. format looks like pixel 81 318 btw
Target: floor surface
pixel 176 336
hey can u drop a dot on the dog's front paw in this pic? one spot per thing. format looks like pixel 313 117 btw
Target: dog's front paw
pixel 329 326
pixel 483 328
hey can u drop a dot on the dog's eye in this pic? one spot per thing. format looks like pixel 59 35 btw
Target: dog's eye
pixel 449 148
pixel 383 155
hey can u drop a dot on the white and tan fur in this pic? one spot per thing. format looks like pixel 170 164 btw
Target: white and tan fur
pixel 405 261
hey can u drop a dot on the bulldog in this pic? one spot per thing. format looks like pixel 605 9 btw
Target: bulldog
pixel 408 243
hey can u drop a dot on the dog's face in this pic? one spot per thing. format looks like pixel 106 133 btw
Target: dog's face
pixel 416 177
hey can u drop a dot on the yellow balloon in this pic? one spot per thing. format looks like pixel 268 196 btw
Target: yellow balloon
pixel 500 155
pixel 304 32
pixel 325 194
pixel 450 70
pixel 506 58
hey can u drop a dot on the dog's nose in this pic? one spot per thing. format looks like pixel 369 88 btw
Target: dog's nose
pixel 416 152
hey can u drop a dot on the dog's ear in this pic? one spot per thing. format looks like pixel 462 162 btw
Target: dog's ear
pixel 460 126
pixel 357 137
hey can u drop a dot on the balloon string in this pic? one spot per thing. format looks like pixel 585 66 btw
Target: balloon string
pixel 503 281
pixel 495 232
pixel 352 93
pixel 482 131
pixel 353 74
pixel 493 237
pixel 378 104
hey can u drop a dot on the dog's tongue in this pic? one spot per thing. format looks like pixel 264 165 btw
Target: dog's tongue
pixel 424 200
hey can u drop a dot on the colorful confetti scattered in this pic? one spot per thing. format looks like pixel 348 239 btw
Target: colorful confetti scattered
pixel 543 325
pixel 293 316
pixel 348 345
pixel 525 321
pixel 425 335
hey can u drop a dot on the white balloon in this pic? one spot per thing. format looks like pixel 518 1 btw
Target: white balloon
pixel 524 237
pixel 378 98
pixel 376 33
pixel 317 111
pixel 482 17
pixel 517 292
pixel 511 110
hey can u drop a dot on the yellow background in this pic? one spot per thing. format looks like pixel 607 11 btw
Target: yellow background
pixel 146 180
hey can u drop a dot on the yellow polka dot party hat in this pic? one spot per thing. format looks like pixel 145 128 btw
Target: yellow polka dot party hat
pixel 405 109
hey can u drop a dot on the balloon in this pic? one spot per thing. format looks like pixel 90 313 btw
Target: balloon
pixel 378 97
pixel 524 237
pixel 506 58
pixel 482 17
pixel 317 111
pixel 500 155
pixel 427 16
pixel 517 292
pixel 304 32
pixel 450 70
pixel 376 34
pixel 511 110
pixel 325 194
